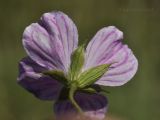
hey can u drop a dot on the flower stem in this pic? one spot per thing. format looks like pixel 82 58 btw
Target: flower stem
pixel 71 97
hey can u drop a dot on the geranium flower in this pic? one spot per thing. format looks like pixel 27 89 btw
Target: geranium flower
pixel 57 69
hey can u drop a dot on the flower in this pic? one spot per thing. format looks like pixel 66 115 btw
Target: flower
pixel 57 69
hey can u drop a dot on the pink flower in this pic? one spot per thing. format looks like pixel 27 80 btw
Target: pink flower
pixel 57 69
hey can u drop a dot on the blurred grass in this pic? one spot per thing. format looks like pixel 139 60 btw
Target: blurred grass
pixel 138 19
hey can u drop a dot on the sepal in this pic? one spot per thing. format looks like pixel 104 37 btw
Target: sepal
pixel 91 75
pixel 77 61
pixel 57 75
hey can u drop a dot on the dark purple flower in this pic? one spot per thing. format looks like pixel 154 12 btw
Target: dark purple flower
pixel 93 105
pixel 55 64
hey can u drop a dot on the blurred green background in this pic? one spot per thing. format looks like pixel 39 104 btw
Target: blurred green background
pixel 138 19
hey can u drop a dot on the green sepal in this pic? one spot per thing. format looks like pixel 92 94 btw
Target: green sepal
pixel 91 75
pixel 77 61
pixel 57 75
pixel 89 90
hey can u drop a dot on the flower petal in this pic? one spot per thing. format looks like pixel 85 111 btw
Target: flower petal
pixel 101 44
pixel 106 48
pixel 51 41
pixel 122 70
pixel 30 78
pixel 93 105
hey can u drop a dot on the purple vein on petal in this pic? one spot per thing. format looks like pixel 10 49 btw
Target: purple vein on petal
pixel 73 39
pixel 52 40
pixel 54 21
pixel 100 43
pixel 110 50
pixel 122 72
pixel 66 27
pixel 94 39
pixel 59 34
pixel 64 41
pixel 123 61
pixel 122 47
pixel 63 31
pixel 46 57
pixel 38 47
pixel 111 54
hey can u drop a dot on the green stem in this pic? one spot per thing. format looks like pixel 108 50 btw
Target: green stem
pixel 71 97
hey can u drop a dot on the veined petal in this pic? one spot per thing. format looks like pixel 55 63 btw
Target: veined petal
pixel 30 78
pixel 99 46
pixel 51 41
pixel 122 71
pixel 106 48
pixel 93 105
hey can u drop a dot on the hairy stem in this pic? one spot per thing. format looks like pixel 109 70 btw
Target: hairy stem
pixel 71 97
